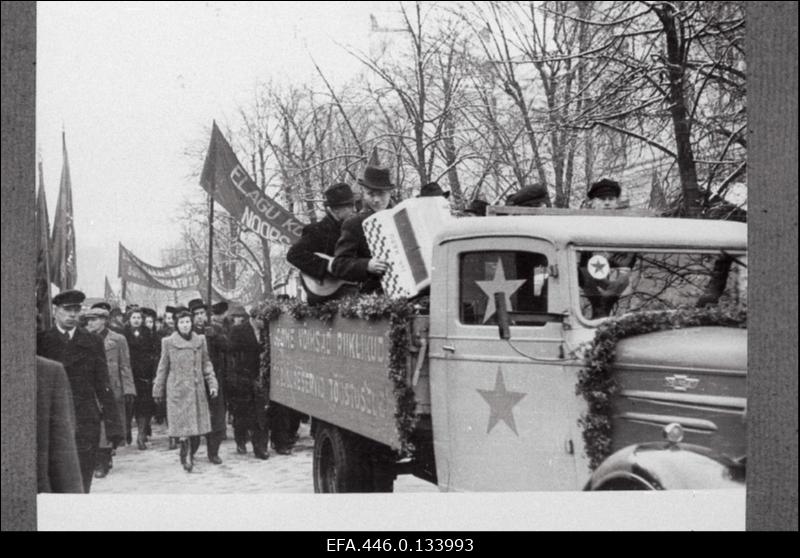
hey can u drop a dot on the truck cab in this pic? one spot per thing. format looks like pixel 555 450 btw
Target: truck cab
pixel 505 411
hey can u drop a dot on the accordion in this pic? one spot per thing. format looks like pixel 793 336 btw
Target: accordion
pixel 403 237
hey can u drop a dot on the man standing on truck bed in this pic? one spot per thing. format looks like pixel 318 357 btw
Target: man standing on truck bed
pixel 353 260
pixel 319 240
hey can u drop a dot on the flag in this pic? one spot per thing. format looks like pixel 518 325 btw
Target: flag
pixel 63 264
pixel 226 180
pixel 108 294
pixel 43 300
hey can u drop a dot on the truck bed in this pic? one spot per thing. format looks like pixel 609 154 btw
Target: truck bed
pixel 338 372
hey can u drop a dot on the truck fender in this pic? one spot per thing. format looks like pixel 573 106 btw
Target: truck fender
pixel 666 466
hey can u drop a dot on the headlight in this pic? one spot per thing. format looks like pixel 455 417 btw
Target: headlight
pixel 673 432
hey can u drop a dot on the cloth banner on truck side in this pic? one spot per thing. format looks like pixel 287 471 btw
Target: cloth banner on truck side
pixel 172 278
pixel 226 180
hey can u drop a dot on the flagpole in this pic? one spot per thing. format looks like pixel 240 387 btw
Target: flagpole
pixel 210 245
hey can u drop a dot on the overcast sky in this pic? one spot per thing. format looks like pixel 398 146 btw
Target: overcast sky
pixel 134 83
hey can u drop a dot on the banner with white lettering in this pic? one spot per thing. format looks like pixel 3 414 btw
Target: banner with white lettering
pixel 225 179
pixel 173 278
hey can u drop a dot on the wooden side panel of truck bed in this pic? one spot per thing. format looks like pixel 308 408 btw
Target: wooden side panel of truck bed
pixel 337 373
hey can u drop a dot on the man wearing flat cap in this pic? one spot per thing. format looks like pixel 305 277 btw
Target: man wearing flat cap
pixel 353 260
pixel 217 343
pixel 84 360
pixel 319 240
pixel 535 195
pixel 120 378
pixel 604 194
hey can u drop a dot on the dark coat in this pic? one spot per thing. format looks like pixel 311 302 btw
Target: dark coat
pixel 217 351
pixel 184 371
pixel 84 359
pixel 244 358
pixel 352 254
pixel 144 353
pixel 317 237
pixel 57 465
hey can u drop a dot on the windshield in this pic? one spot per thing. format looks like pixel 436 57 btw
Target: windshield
pixel 613 283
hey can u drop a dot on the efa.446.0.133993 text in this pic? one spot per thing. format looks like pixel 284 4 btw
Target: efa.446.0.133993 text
pixel 400 545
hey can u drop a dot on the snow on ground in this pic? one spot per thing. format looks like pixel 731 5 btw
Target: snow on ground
pixel 157 470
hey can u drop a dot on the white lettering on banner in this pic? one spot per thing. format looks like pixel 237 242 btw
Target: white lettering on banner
pixel 264 229
pixel 239 177
pixel 361 397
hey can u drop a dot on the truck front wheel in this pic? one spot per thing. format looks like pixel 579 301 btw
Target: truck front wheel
pixel 337 466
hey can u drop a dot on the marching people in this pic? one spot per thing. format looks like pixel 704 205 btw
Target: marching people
pixel 169 321
pixel 120 378
pixel 143 354
pixel 319 240
pixel 84 360
pixel 58 468
pixel 116 321
pixel 353 260
pixel 149 320
pixel 245 395
pixel 184 375
pixel 216 342
pixel 604 194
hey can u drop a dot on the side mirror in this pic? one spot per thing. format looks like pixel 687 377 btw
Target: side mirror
pixel 503 321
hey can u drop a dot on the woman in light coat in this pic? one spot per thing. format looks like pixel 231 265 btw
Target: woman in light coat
pixel 183 372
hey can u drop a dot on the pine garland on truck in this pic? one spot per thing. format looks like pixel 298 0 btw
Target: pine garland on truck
pixel 597 383
pixel 399 312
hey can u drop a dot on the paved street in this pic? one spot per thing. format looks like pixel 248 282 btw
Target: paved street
pixel 157 470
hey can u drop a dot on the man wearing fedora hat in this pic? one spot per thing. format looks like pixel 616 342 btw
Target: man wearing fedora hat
pixel 120 378
pixel 84 360
pixel 320 238
pixel 353 260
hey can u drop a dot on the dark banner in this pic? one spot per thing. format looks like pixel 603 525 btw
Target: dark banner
pixel 172 278
pixel 224 178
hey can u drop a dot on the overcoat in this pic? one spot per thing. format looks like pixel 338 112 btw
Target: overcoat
pixel 352 254
pixel 57 466
pixel 120 376
pixel 183 372
pixel 143 347
pixel 217 344
pixel 84 360
pixel 244 352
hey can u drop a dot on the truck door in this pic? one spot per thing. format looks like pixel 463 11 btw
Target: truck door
pixel 502 421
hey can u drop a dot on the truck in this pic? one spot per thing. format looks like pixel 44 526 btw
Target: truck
pixel 489 381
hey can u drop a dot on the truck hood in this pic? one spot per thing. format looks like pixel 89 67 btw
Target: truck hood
pixel 693 376
pixel 708 348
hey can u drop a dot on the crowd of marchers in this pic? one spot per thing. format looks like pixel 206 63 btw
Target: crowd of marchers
pixel 196 367
pixel 104 375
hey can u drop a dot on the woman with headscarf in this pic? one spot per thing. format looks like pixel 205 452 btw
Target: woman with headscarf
pixel 184 370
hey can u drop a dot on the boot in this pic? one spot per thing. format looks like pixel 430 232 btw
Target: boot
pixel 213 441
pixel 141 432
pixel 103 459
pixel 186 459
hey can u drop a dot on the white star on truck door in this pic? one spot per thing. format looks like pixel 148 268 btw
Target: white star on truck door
pixel 498 284
pixel 501 403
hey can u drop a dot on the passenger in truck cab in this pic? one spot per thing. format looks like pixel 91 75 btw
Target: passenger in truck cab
pixel 603 287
